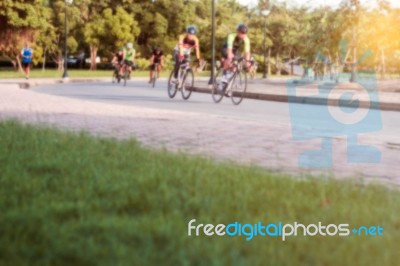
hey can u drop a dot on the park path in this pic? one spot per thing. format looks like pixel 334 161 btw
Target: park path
pixel 219 137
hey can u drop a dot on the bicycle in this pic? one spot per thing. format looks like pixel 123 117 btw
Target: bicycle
pixel 236 85
pixel 155 75
pixel 184 82
pixel 116 77
pixel 125 75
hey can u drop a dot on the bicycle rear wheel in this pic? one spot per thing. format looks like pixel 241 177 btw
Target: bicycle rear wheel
pixel 114 76
pixel 217 90
pixel 172 87
pixel 238 87
pixel 187 84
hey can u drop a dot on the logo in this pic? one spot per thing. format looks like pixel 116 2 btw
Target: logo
pixel 338 110
pixel 280 230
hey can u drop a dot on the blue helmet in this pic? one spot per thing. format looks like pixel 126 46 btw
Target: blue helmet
pixel 191 30
pixel 242 28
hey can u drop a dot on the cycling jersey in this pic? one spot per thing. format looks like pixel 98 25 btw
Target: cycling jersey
pixel 157 57
pixel 186 45
pixel 235 43
pixel 119 56
pixel 129 54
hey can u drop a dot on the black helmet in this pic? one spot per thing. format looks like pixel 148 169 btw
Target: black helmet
pixel 242 28
pixel 158 49
pixel 191 30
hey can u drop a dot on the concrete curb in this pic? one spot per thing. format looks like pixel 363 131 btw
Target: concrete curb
pixel 27 84
pixel 384 106
pixel 31 84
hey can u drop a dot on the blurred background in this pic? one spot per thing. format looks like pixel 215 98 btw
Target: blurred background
pixel 291 37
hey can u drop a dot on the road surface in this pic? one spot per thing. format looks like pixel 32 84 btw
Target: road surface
pixel 255 132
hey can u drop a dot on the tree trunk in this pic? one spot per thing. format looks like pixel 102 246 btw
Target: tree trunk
pixel 44 60
pixel 278 65
pixel 19 63
pixel 93 55
pixel 13 62
pixel 60 63
pixel 292 63
pixel 269 61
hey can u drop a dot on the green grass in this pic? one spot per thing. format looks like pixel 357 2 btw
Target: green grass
pixel 50 73
pixel 72 199
pixel 73 73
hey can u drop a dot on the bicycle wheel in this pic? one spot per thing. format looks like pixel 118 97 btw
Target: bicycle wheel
pixel 238 87
pixel 154 78
pixel 217 90
pixel 125 77
pixel 114 77
pixel 187 84
pixel 172 87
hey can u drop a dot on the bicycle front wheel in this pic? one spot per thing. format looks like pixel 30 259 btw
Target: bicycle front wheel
pixel 238 87
pixel 187 84
pixel 217 88
pixel 172 86
pixel 154 79
pixel 125 76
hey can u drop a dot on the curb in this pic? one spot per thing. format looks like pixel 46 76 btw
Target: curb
pixel 384 106
pixel 34 83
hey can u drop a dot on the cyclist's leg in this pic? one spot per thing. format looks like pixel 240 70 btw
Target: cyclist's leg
pixel 130 64
pixel 122 69
pixel 158 69
pixel 224 58
pixel 152 68
pixel 177 64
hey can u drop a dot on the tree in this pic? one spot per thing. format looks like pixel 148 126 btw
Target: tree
pixel 20 22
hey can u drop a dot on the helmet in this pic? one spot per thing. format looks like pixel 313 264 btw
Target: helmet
pixel 242 28
pixel 191 30
pixel 129 45
pixel 158 49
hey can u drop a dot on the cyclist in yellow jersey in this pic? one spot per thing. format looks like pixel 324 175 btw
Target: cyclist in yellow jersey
pixel 187 42
pixel 233 45
pixel 129 56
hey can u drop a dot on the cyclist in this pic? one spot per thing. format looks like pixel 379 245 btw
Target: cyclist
pixel 232 49
pixel 129 57
pixel 118 59
pixel 187 42
pixel 157 57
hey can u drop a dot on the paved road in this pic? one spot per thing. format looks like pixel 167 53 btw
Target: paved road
pixel 256 132
pixel 139 93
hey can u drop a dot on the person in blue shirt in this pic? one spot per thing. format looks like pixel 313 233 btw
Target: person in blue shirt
pixel 26 54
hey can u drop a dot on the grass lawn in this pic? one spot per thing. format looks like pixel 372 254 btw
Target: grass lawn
pixel 72 199
pixel 73 73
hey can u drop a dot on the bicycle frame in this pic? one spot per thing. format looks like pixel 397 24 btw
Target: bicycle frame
pixel 237 66
pixel 184 67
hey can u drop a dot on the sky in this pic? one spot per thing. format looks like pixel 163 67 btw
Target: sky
pixel 317 3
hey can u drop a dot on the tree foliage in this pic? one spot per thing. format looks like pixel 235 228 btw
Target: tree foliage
pixel 102 26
